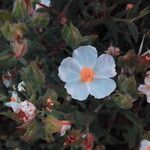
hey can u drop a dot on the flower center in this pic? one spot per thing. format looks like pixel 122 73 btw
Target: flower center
pixel 87 75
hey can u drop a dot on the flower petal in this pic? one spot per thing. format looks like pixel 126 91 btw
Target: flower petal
pixel 147 78
pixel 21 87
pixel 144 88
pixel 86 56
pixel 77 90
pixel 144 144
pixel 64 129
pixel 101 88
pixel 69 70
pixel 14 105
pixel 105 66
pixel 44 2
pixel 148 98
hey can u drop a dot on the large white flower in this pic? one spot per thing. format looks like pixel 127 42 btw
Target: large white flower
pixel 85 73
pixel 145 145
pixel 145 88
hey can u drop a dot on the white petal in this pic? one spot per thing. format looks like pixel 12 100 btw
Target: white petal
pixel 101 88
pixel 144 88
pixel 14 105
pixel 69 70
pixel 148 98
pixel 37 6
pixel 105 66
pixel 77 90
pixel 21 87
pixel 144 144
pixel 64 129
pixel 44 2
pixel 147 78
pixel 86 56
pixel 7 83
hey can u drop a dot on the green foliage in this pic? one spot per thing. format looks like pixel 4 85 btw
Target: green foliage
pixel 5 15
pixel 50 35
pixel 34 79
pixel 128 86
pixel 71 35
pixel 123 101
pixel 19 9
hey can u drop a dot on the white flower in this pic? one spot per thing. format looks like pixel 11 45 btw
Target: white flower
pixel 44 2
pixel 145 145
pixel 25 109
pixel 66 125
pixel 21 87
pixel 145 88
pixel 86 73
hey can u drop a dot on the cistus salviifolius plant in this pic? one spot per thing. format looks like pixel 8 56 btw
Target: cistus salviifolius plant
pixel 74 74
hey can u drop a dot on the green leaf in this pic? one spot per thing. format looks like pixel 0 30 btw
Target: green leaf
pixel 3 97
pixel 6 30
pixel 10 115
pixel 40 20
pixel 9 30
pixel 33 78
pixel 123 101
pixel 5 15
pixel 134 31
pixel 145 11
pixel 71 35
pixel 131 136
pixel 50 127
pixel 132 118
pixel 34 131
pixel 128 86
pixel 128 39
pixel 19 9
pixel 7 60
pixel 77 118
pixel 41 130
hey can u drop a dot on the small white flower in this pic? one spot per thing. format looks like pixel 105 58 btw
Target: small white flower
pixel 21 87
pixel 44 2
pixel 145 88
pixel 66 125
pixel 145 145
pixel 26 109
pixel 85 73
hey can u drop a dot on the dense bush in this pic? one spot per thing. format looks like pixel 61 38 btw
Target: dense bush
pixel 34 45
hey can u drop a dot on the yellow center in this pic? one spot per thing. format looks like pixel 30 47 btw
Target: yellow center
pixel 87 75
pixel 147 148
